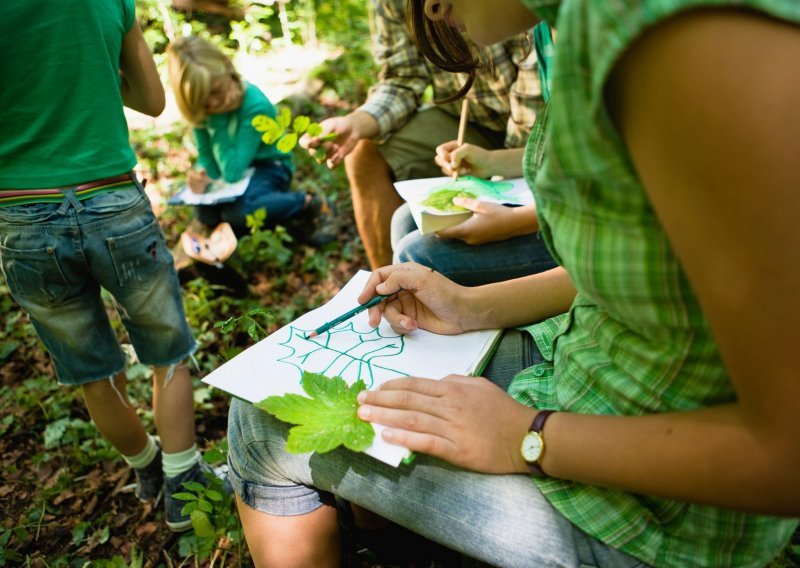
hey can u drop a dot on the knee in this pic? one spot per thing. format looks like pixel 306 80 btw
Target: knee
pixel 363 164
pixel 411 248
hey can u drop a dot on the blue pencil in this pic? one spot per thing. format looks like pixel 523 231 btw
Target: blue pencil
pixel 374 301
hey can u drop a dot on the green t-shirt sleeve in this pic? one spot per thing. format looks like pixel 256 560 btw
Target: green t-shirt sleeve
pixel 205 156
pixel 128 14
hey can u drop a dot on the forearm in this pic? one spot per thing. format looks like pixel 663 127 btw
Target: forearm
pixel 390 106
pixel 679 456
pixel 520 301
pixel 523 221
pixel 506 162
pixel 364 125
pixel 140 84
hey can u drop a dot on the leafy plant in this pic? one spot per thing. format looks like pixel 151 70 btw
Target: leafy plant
pixel 254 329
pixel 326 419
pixel 214 520
pixel 262 246
pixel 284 132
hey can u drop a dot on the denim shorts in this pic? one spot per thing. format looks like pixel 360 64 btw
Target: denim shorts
pixel 56 258
pixel 503 520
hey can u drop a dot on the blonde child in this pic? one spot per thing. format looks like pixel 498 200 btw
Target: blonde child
pixel 220 107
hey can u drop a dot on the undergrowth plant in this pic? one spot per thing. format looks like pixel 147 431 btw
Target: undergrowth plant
pixel 217 531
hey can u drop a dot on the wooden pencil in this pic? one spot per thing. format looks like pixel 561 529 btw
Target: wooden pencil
pixel 462 128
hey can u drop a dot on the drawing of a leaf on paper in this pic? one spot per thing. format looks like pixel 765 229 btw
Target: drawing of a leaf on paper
pixel 326 419
pixel 345 352
pixel 441 197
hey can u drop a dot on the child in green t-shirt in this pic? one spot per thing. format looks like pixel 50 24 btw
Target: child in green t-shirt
pixel 220 106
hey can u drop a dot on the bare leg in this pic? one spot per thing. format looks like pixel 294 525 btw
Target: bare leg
pixel 286 542
pixel 374 200
pixel 114 416
pixel 173 409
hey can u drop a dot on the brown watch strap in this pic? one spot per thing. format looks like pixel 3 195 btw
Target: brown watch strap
pixel 536 426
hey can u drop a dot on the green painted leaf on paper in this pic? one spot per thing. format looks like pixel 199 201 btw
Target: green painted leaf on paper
pixel 443 199
pixel 324 421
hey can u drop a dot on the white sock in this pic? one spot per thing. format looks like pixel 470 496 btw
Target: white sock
pixel 179 462
pixel 146 456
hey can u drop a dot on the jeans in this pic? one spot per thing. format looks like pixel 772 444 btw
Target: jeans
pixel 468 265
pixel 503 520
pixel 269 189
pixel 57 257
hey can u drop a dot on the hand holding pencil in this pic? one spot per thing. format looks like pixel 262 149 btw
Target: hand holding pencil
pixel 424 299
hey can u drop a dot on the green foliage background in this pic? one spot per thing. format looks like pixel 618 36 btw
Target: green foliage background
pixel 64 490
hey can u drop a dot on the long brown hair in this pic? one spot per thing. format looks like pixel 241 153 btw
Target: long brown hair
pixel 443 46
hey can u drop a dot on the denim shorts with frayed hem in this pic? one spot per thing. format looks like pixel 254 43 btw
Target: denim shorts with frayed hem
pixel 502 520
pixel 57 258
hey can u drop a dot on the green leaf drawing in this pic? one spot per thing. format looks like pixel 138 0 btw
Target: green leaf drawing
pixel 345 352
pixel 443 199
pixel 324 421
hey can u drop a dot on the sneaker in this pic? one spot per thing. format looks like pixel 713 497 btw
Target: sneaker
pixel 149 480
pixel 201 473
pixel 316 222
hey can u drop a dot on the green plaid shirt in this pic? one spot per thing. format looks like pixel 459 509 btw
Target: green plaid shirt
pixel 504 99
pixel 635 340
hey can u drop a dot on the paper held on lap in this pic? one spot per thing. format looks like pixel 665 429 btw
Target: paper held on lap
pixel 351 350
pixel 430 199
pixel 218 191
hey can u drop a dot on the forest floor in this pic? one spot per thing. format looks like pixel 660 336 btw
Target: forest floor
pixel 65 495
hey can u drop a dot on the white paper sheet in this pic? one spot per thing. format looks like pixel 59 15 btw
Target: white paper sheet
pixel 218 192
pixel 352 350
pixel 430 220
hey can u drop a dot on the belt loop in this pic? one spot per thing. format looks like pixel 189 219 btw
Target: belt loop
pixel 70 199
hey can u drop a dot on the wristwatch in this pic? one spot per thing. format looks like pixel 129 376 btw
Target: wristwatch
pixel 533 443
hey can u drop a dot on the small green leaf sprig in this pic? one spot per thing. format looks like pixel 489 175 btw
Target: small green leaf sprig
pixel 284 131
pixel 326 420
pixel 202 502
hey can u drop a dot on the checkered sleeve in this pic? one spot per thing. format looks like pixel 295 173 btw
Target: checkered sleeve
pixel 403 75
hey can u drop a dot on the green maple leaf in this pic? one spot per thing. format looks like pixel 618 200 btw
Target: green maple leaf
pixel 325 421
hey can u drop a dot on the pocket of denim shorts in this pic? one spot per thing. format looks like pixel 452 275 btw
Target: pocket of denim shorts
pixel 139 256
pixel 34 275
pixel 28 214
pixel 115 201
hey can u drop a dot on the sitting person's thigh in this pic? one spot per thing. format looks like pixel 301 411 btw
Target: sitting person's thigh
pixel 410 151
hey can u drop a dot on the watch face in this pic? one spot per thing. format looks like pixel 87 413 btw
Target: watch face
pixel 532 446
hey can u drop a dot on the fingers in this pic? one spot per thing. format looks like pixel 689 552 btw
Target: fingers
pixel 468 203
pixel 412 403
pixel 415 414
